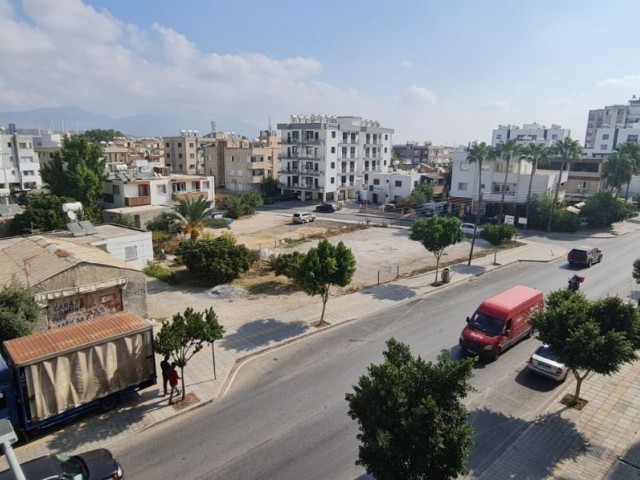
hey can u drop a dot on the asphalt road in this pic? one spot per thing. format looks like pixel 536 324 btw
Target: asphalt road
pixel 285 415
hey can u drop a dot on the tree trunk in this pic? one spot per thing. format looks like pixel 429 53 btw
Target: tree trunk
pixel 437 266
pixel 182 381
pixel 533 172
pixel 579 380
pixel 473 240
pixel 555 196
pixel 495 256
pixel 504 185
pixel 325 298
pixel 626 194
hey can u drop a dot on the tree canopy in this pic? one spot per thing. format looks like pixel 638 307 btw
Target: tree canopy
pixel 479 153
pixel 244 204
pixel 538 155
pixel 436 234
pixel 192 214
pixel 19 312
pixel 77 170
pixel 167 222
pixel 324 266
pixel 421 193
pixel 603 209
pixel 186 334
pixel 589 335
pixel 636 270
pixel 43 213
pixel 567 150
pixel 99 135
pixel 412 421
pixel 497 235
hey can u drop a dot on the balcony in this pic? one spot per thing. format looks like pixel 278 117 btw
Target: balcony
pixel 185 195
pixel 302 141
pixel 301 156
pixel 301 171
pixel 137 201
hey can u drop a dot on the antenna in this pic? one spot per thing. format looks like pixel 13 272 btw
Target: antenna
pixel 269 123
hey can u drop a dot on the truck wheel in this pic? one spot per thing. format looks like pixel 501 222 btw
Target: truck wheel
pixel 109 402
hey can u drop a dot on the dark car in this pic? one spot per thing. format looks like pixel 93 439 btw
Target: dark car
pixel 325 208
pixel 91 465
pixel 585 256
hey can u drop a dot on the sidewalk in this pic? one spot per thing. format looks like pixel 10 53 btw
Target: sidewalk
pixel 614 398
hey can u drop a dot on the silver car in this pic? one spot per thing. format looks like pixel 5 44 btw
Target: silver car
pixel 544 362
pixel 469 228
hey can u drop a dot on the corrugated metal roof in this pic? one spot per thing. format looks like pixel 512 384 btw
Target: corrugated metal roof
pixel 40 346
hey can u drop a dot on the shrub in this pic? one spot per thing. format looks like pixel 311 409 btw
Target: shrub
pixel 286 263
pixel 160 271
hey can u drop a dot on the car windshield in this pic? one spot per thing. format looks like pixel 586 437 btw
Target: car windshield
pixel 545 352
pixel 487 324
pixel 72 468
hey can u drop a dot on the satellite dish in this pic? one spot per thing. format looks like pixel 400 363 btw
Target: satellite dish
pixel 71 214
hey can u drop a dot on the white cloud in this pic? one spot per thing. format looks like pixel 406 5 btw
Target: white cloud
pixel 406 64
pixel 420 94
pixel 498 105
pixel 624 81
pixel 560 103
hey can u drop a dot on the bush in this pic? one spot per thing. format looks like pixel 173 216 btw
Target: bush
pixel 19 312
pixel 167 222
pixel 603 209
pixel 123 219
pixel 160 271
pixel 244 204
pixel 164 242
pixel 565 221
pixel 286 264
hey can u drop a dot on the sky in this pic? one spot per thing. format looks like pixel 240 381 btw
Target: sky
pixel 445 71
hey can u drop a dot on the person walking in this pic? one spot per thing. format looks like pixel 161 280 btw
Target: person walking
pixel 164 368
pixel 173 382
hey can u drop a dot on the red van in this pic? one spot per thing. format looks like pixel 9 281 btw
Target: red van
pixel 501 321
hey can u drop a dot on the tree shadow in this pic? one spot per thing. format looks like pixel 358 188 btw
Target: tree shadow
pixel 389 291
pixel 536 382
pixel 260 333
pixel 463 268
pixel 531 449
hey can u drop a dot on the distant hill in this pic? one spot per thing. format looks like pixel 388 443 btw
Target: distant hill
pixel 137 126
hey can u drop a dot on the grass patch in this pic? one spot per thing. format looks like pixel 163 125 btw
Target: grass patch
pixel 160 271
pixel 292 242
pixel 264 283
pixel 572 402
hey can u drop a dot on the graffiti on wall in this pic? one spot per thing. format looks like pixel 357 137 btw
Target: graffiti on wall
pixel 80 308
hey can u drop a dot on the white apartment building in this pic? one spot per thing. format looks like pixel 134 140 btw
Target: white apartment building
pixel 331 158
pixel 529 133
pixel 606 139
pixel 611 116
pixel 391 186
pixel 19 162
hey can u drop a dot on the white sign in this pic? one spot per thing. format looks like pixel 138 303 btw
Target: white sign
pixel 522 220
pixel 509 219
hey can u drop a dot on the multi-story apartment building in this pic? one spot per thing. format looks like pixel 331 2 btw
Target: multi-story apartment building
pixel 331 158
pixel 392 186
pixel 46 144
pixel 529 133
pixel 19 162
pixel 181 153
pixel 412 155
pixel 611 116
pixel 246 163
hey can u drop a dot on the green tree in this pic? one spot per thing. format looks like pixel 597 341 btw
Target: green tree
pixel 244 204
pixel 436 234
pixel 587 335
pixel 603 209
pixel 287 264
pixel 636 270
pixel 538 155
pixel 497 235
pixel 412 422
pixel 568 150
pixel 215 260
pixel 507 151
pixel 192 214
pixel 270 187
pixel 19 312
pixel 421 193
pixel 167 222
pixel 98 135
pixel 324 266
pixel 617 170
pixel 77 170
pixel 479 153
pixel 124 219
pixel 186 334
pixel 43 213
pixel 632 149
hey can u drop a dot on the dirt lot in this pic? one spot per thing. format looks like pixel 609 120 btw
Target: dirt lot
pixel 382 254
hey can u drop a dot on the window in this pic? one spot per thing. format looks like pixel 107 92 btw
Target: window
pixel 386 137
pixel 554 137
pixel 376 181
pixel 385 149
pixel 605 136
pixel 179 155
pixel 161 189
pixel 333 149
pixel 116 189
pixel 179 144
pixel 22 145
pixel 130 253
pixel 462 186
pixel 398 183
pixel 166 144
pixel 205 185
pixel 632 138
pixel 603 147
pixel 190 144
pixel 191 155
pixel 333 180
pixel 333 134
pixel 168 155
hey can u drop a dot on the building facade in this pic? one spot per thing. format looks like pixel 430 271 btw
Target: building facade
pixel 19 162
pixel 611 116
pixel 391 186
pixel 331 158
pixel 247 163
pixel 181 153
pixel 529 133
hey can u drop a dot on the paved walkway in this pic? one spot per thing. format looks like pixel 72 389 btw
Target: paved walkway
pixel 555 446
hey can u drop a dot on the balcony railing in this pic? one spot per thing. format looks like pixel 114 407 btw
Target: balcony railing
pixel 190 195
pixel 137 201
pixel 302 141
pixel 304 171
pixel 301 156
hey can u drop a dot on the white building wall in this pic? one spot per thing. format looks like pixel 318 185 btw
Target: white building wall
pixel 136 248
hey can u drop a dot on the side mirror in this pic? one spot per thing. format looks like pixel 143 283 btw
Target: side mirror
pixel 468 319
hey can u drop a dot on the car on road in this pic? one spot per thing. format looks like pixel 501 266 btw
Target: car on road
pixel 544 362
pixel 325 208
pixel 303 217
pixel 469 228
pixel 584 255
pixel 94 464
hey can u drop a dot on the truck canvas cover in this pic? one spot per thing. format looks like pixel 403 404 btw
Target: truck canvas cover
pixel 66 367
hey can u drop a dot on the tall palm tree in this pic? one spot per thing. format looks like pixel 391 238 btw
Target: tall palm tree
pixel 568 150
pixel 633 150
pixel 617 170
pixel 506 151
pixel 479 153
pixel 537 154
pixel 192 214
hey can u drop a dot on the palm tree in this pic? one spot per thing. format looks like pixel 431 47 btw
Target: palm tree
pixel 569 150
pixel 633 150
pixel 507 151
pixel 192 214
pixel 537 154
pixel 479 153
pixel 617 170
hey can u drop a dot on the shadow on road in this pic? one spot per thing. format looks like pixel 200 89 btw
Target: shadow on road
pixel 260 333
pixel 535 382
pixel 390 291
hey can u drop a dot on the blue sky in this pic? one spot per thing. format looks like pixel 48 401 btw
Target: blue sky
pixel 445 71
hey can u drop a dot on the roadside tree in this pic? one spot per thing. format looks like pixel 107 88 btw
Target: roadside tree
pixel 586 335
pixel 286 264
pixel 244 204
pixel 421 193
pixel 636 270
pixel 507 151
pixel 568 150
pixel 324 266
pixel 186 334
pixel 436 234
pixel 497 235
pixel 215 260
pixel 538 155
pixel 19 312
pixel 603 209
pixel 632 149
pixel 480 154
pixel 77 170
pixel 617 171
pixel 412 421
pixel 270 187
pixel 192 214
pixel 43 213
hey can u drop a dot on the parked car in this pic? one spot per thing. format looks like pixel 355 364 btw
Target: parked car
pixel 584 255
pixel 469 228
pixel 307 196
pixel 544 362
pixel 94 464
pixel 325 208
pixel 303 217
